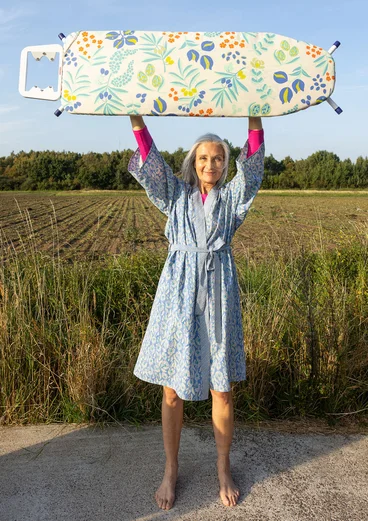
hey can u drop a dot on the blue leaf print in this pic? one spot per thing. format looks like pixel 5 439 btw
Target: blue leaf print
pixel 112 36
pixel 131 40
pixel 119 43
pixel 320 99
pixel 193 55
pixel 286 95
pixel 207 46
pixel 280 77
pixel 160 105
pixel 206 62
pixel 298 86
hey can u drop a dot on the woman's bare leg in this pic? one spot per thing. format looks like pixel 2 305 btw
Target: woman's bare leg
pixel 223 426
pixel 172 421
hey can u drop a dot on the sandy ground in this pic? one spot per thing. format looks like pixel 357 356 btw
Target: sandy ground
pixel 78 473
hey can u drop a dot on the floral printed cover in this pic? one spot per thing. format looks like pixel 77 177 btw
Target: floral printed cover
pixel 231 74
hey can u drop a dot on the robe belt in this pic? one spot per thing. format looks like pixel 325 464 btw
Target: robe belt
pixel 207 261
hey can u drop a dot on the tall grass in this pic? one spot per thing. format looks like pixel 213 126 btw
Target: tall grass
pixel 70 334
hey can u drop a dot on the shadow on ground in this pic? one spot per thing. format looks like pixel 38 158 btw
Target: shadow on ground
pixel 79 473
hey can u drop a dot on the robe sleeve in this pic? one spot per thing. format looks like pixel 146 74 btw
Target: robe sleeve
pixel 243 188
pixel 163 188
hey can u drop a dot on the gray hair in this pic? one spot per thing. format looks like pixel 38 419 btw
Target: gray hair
pixel 188 170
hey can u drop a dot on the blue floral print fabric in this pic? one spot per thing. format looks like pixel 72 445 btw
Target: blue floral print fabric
pixel 194 338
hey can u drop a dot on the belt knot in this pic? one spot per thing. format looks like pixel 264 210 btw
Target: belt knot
pixel 208 260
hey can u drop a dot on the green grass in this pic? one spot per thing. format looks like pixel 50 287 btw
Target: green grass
pixel 70 334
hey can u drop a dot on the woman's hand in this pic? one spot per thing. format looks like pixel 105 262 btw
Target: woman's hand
pixel 255 123
pixel 137 122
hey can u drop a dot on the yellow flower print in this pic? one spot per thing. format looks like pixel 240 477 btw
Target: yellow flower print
pixel 187 92
pixel 257 64
pixel 68 96
pixel 241 75
pixel 160 50
pixel 169 60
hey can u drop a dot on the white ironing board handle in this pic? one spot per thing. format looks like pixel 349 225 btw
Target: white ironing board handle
pixel 38 52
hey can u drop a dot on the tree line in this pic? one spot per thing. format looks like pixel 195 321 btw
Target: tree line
pixel 49 170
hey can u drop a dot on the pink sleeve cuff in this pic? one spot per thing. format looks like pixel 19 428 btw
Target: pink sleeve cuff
pixel 255 140
pixel 144 141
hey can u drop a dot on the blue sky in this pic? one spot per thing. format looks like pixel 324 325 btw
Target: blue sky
pixel 30 124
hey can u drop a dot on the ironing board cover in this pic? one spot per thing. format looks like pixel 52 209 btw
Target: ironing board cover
pixel 193 74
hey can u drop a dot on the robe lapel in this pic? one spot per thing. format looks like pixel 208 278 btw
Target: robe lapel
pixel 202 215
pixel 199 219
pixel 211 198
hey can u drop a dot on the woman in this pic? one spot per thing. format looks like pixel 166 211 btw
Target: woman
pixel 194 339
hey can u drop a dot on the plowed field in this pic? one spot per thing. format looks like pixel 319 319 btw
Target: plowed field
pixel 92 224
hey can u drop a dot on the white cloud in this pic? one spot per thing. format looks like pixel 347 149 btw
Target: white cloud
pixel 8 126
pixel 9 21
pixel 8 108
pixel 8 15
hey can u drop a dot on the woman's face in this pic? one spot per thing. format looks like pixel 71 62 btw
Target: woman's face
pixel 209 164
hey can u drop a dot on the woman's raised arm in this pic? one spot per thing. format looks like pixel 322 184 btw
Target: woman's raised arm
pixel 255 123
pixel 151 171
pixel 137 122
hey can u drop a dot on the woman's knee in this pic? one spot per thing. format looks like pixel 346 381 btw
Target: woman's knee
pixel 223 397
pixel 170 397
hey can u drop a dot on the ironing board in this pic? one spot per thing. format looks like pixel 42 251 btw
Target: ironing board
pixel 208 74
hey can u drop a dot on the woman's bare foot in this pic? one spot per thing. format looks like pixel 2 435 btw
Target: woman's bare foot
pixel 229 492
pixel 165 495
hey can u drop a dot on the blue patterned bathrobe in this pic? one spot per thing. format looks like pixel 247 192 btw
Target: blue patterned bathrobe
pixel 194 338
